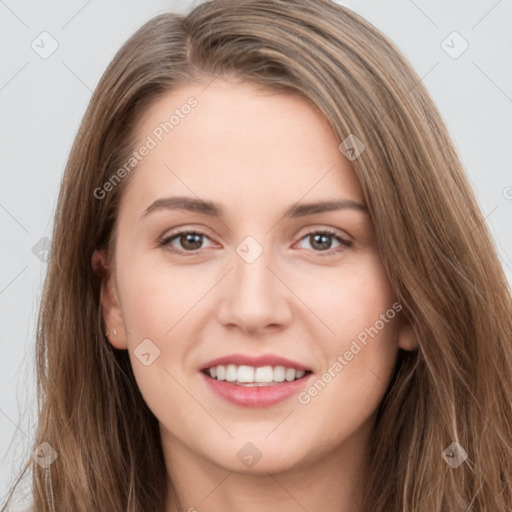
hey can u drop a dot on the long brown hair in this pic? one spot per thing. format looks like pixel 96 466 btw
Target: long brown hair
pixel 432 237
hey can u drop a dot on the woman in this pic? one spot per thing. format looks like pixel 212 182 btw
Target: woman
pixel 202 343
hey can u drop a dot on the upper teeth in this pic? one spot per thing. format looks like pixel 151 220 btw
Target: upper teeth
pixel 242 373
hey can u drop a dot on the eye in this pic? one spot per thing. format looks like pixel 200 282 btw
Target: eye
pixel 321 241
pixel 190 241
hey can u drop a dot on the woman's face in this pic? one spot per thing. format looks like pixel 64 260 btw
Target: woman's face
pixel 261 273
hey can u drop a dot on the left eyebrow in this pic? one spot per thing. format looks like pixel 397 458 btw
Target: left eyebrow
pixel 301 210
pixel 213 209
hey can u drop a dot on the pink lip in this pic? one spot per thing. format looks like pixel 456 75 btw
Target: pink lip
pixel 254 397
pixel 255 361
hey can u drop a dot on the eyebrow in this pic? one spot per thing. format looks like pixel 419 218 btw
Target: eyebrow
pixel 213 209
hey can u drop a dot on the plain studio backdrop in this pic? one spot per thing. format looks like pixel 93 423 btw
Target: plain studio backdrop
pixel 53 54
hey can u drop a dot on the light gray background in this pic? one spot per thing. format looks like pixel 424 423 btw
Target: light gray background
pixel 42 102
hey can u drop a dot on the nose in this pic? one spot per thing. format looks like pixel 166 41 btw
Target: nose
pixel 255 297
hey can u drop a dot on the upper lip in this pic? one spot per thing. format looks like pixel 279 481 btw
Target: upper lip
pixel 255 361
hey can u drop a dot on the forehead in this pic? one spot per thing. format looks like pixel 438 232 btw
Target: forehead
pixel 239 144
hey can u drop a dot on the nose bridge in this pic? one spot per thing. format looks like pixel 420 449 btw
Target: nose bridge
pixel 251 266
pixel 256 298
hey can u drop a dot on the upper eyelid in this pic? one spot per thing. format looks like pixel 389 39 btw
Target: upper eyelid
pixel 309 230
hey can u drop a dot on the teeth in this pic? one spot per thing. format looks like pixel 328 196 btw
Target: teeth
pixel 290 374
pixel 231 373
pixel 247 375
pixel 221 372
pixel 264 374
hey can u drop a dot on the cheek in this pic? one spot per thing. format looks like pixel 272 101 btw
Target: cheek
pixel 159 306
pixel 353 381
pixel 158 297
pixel 360 306
pixel 352 298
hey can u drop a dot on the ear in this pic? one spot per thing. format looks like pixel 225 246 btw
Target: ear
pixel 109 300
pixel 406 338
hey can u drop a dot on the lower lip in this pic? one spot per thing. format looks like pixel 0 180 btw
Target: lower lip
pixel 256 396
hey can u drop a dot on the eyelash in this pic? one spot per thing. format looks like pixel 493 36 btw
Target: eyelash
pixel 165 242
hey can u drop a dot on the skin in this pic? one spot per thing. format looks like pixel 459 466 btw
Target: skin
pixel 256 153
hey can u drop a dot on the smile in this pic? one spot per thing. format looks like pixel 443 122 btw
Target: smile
pixel 255 394
pixel 244 375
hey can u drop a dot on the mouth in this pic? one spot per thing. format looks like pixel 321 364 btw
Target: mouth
pixel 255 387
pixel 250 376
pixel 249 380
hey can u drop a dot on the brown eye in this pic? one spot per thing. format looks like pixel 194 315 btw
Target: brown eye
pixel 188 241
pixel 321 241
pixel 191 241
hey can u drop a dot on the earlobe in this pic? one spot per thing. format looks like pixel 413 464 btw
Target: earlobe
pixel 407 339
pixel 110 307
